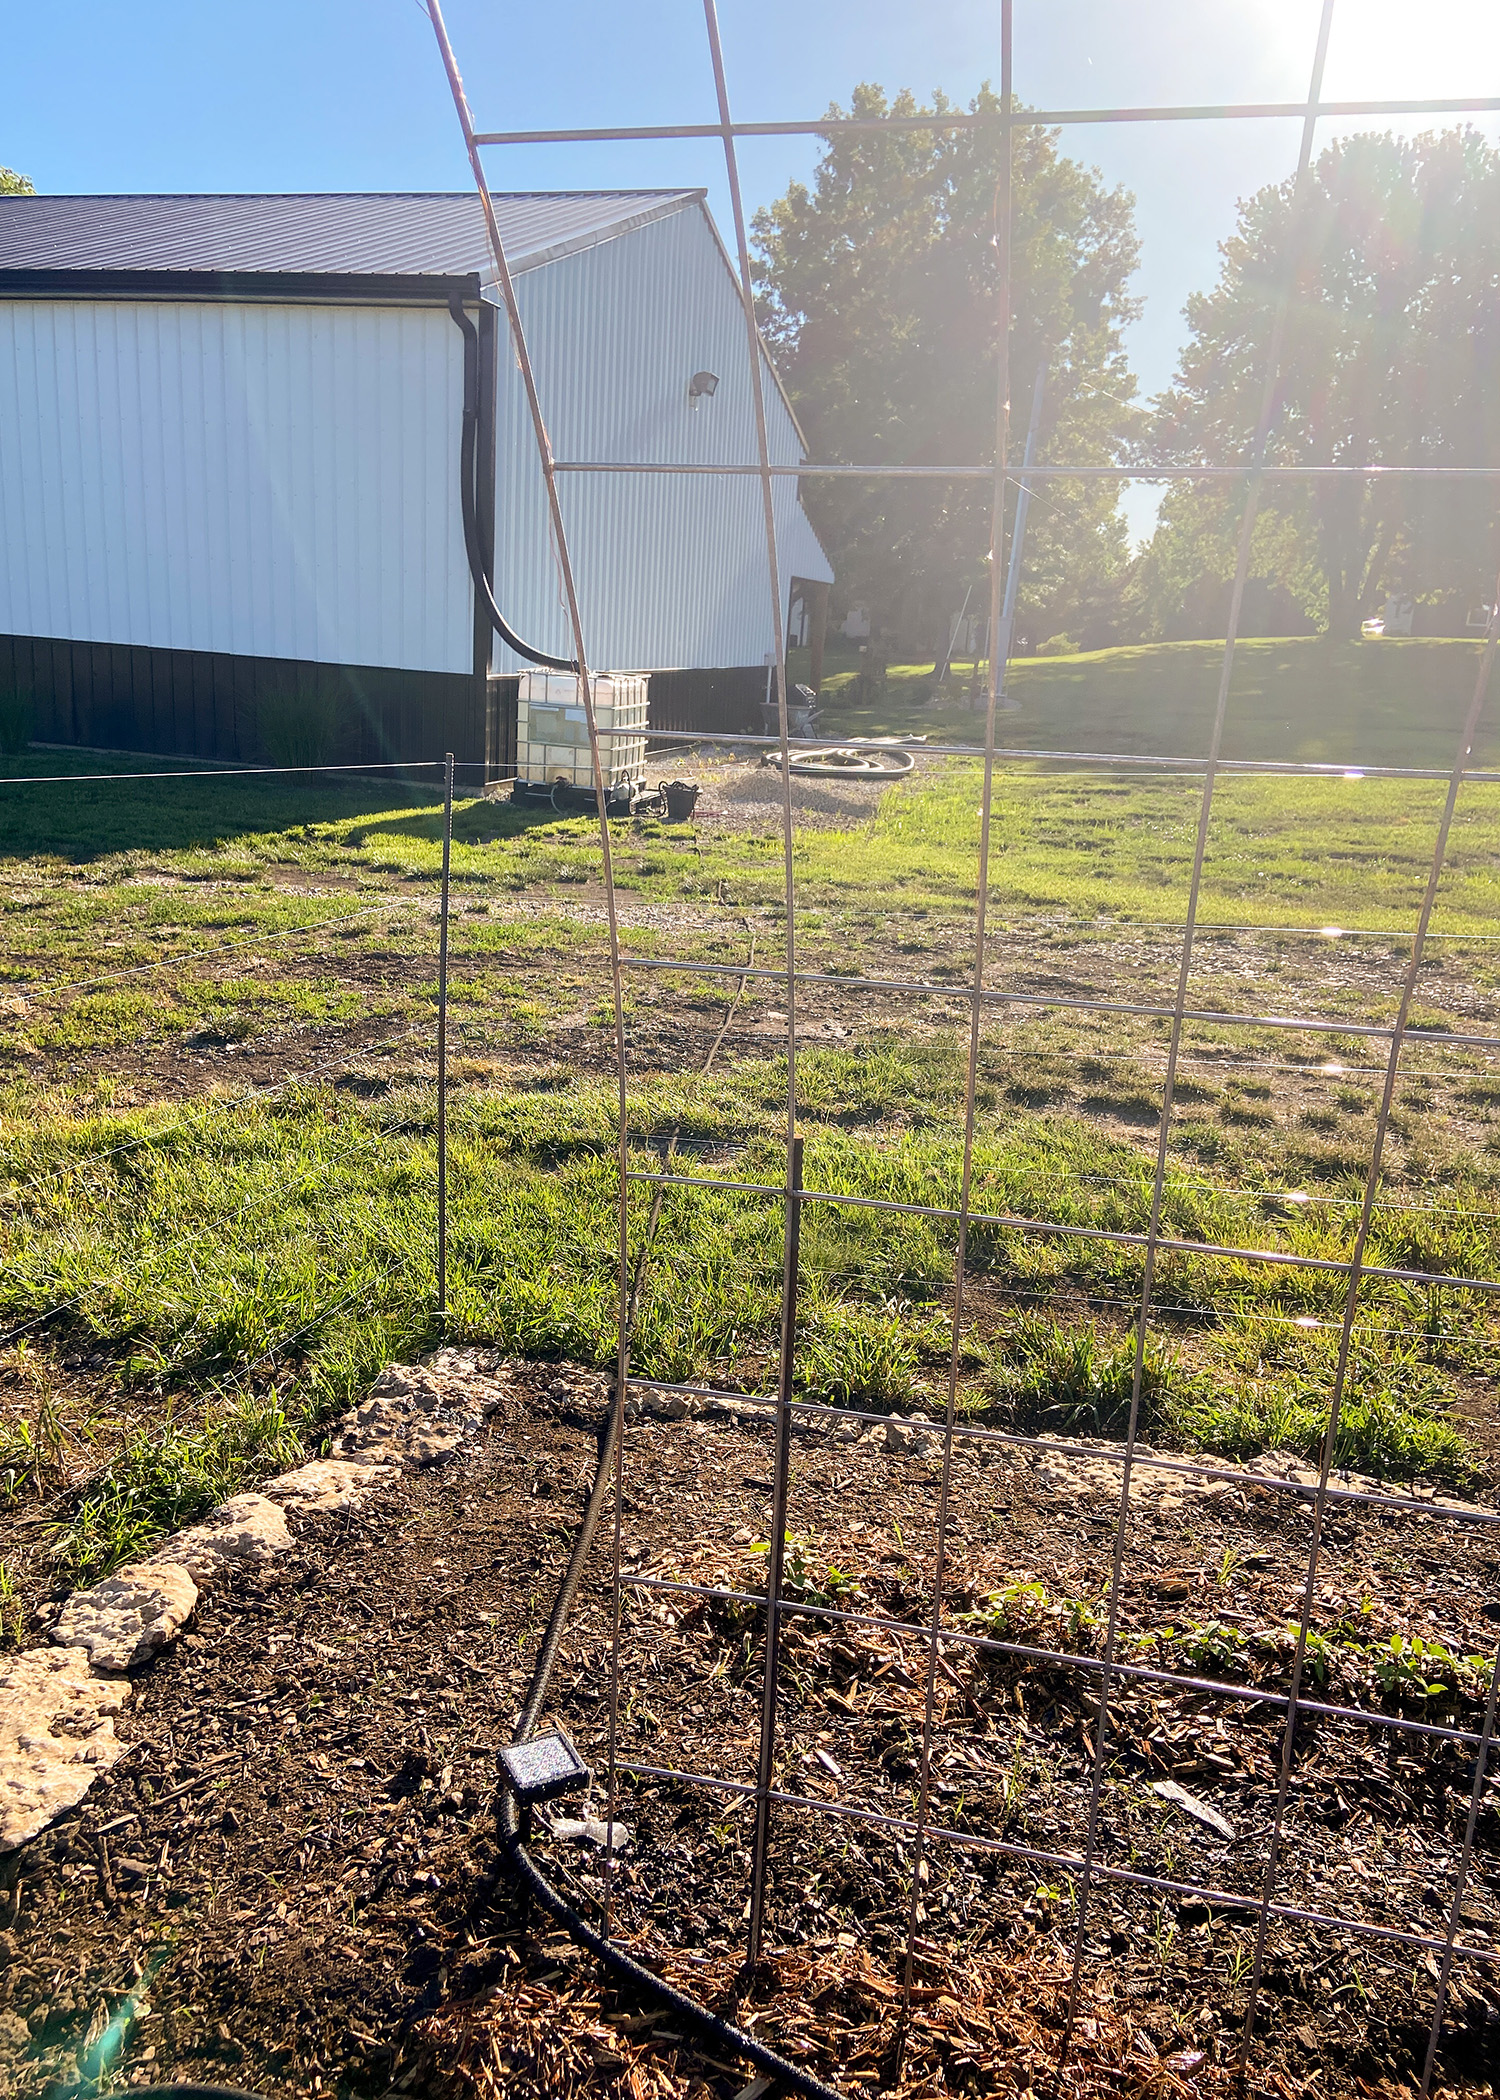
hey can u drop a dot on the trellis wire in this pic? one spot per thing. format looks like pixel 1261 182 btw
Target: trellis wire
pixel 1063 1659
pixel 775 1566
pixel 191 772
pixel 60 985
pixel 279 1087
pixel 1461 1881
pixel 1043 1228
pixel 1372 1185
pixel 810 469
pixel 243 1099
pixel 1255 473
pixel 1211 1017
pixel 214 1224
pixel 1153 1461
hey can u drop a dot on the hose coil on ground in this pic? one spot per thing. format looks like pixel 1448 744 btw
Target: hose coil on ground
pixel 845 762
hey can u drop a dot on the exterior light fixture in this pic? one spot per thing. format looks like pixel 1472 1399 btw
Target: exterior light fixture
pixel 700 384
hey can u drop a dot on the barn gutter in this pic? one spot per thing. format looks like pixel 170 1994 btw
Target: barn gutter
pixel 279 287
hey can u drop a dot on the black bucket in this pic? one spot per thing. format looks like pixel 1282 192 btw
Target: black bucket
pixel 681 798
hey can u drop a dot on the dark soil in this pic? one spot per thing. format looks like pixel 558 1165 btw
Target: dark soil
pixel 292 1881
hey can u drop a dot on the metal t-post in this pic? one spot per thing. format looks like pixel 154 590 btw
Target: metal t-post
pixel 442 1051
pixel 776 1559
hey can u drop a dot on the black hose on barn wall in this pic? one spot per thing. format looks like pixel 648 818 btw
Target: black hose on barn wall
pixel 467 451
pixel 722 2033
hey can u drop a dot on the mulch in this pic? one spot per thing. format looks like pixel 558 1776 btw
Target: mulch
pixel 292 1880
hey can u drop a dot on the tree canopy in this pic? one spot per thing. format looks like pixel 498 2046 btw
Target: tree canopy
pixel 1391 356
pixel 14 185
pixel 879 289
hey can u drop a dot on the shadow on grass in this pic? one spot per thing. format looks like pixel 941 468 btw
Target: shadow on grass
pixel 81 817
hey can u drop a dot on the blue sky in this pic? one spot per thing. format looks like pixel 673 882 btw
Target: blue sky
pixel 348 94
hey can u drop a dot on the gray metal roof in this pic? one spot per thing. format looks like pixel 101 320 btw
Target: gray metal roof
pixel 401 234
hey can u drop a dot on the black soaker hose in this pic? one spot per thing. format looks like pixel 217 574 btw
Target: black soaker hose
pixel 722 2032
pixel 470 506
pixel 192 2092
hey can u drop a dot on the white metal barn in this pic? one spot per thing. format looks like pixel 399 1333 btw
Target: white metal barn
pixel 230 437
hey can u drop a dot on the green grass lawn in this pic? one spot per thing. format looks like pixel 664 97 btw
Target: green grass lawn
pixel 217 1177
pixel 1397 702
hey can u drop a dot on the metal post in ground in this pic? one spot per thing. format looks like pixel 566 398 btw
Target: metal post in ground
pixel 442 1050
pixel 1018 543
pixel 776 1559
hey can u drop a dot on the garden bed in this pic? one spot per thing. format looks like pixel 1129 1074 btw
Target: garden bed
pixel 292 1880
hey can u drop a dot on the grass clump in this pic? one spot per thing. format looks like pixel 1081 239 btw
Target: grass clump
pixel 298 729
pixel 1223 1397
pixel 1391 1423
pixel 163 1479
pixel 857 1356
pixel 1074 1381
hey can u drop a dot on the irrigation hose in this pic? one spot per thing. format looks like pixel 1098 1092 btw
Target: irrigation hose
pixel 838 762
pixel 191 2092
pixel 721 2032
pixel 467 451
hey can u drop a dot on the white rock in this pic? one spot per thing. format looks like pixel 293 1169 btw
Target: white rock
pixel 244 1530
pixel 56 1736
pixel 593 1830
pixel 327 1483
pixel 129 1615
pixel 1190 1805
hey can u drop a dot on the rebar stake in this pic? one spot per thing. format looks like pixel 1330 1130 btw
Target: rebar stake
pixel 442 1051
pixel 776 1558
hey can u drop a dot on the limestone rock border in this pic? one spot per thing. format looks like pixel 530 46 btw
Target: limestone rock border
pixel 57 1703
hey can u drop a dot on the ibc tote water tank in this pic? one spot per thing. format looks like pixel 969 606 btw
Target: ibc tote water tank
pixel 552 738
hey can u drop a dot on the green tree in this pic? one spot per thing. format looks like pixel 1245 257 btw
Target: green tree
pixel 14 185
pixel 1392 356
pixel 879 293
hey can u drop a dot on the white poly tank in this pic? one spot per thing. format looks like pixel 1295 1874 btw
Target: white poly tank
pixel 552 737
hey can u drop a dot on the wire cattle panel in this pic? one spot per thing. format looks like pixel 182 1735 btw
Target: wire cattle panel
pixel 929 1627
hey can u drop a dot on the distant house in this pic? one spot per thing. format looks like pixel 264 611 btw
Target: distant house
pixel 230 464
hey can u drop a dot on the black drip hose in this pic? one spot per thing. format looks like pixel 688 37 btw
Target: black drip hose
pixel 722 2033
pixel 467 451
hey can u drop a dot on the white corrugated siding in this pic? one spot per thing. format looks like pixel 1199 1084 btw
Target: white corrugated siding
pixel 671 570
pixel 257 480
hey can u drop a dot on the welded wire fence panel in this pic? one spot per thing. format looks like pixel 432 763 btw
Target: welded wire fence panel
pixel 1175 984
